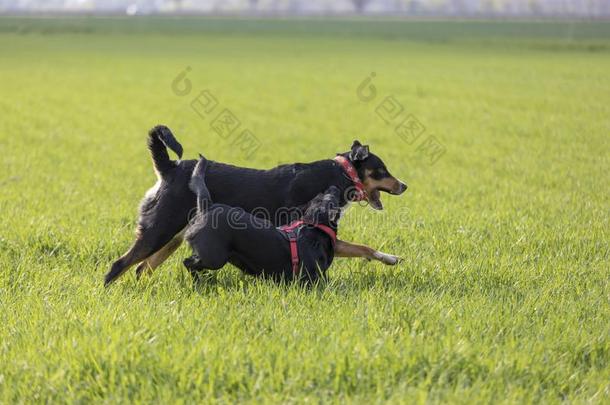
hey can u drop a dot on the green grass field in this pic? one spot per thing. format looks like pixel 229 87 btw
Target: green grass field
pixel 503 295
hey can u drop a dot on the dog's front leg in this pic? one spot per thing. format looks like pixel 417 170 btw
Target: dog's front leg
pixel 347 249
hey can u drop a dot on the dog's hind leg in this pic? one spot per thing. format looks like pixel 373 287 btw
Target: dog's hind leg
pixel 140 250
pixel 194 266
pixel 154 261
pixel 198 266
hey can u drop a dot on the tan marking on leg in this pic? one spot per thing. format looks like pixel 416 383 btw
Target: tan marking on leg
pixel 386 258
pixel 347 249
pixel 135 254
pixel 155 260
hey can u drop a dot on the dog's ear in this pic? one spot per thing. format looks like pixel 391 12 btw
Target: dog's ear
pixel 359 151
pixel 335 215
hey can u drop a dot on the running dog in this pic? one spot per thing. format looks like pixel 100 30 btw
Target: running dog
pixel 164 211
pixel 221 234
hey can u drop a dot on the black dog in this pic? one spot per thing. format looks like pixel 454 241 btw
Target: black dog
pixel 221 234
pixel 165 210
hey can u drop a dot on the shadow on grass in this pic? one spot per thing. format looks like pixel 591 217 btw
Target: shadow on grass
pixel 347 282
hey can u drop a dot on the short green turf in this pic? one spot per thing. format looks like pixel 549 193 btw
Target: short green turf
pixel 503 294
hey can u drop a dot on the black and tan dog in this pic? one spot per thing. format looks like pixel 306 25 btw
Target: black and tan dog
pixel 165 210
pixel 221 234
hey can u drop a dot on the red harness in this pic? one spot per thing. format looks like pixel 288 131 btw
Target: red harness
pixel 353 175
pixel 292 231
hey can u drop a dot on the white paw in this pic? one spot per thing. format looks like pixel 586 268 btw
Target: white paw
pixel 386 258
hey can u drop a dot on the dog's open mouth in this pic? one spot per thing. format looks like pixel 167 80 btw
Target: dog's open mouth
pixel 374 198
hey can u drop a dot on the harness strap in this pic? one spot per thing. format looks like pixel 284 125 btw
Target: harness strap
pixel 292 232
pixel 351 172
pixel 329 231
pixel 294 252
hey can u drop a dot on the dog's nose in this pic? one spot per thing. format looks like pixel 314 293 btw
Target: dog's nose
pixel 402 187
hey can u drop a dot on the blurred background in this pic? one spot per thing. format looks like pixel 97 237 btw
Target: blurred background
pixel 495 112
pixel 592 9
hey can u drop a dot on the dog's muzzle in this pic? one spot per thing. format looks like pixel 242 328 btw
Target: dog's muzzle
pixel 402 187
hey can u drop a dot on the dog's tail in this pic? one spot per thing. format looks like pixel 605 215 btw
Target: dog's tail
pixel 159 139
pixel 198 186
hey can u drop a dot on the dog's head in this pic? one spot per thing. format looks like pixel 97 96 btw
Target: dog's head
pixel 374 174
pixel 325 208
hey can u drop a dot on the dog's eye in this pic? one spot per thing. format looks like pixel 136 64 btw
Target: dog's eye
pixel 378 174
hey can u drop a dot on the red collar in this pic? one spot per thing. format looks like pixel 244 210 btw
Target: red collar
pixel 291 231
pixel 350 170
